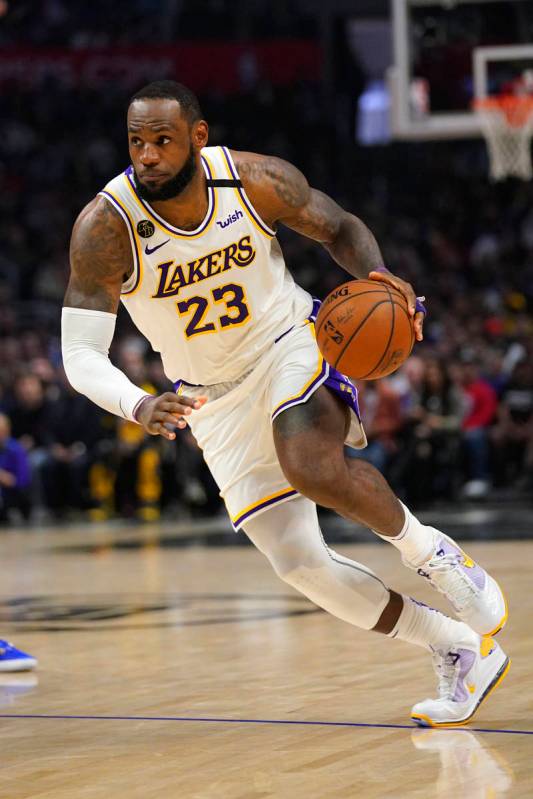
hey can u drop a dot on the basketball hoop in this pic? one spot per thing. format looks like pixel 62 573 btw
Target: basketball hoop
pixel 507 122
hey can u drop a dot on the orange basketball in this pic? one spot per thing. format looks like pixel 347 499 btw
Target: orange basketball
pixel 364 330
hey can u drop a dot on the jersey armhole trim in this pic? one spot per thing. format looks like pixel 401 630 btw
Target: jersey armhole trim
pixel 133 282
pixel 245 201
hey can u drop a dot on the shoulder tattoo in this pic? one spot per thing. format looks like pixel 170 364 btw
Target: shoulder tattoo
pixel 288 183
pixel 100 257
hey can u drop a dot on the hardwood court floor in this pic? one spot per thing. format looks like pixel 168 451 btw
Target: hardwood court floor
pixel 195 673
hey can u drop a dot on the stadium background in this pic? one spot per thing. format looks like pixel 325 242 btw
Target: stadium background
pixel 452 429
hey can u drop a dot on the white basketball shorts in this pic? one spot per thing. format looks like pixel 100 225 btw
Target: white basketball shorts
pixel 234 428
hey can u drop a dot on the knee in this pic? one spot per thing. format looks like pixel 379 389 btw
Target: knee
pixel 290 538
pixel 288 558
pixel 322 482
pixel 341 484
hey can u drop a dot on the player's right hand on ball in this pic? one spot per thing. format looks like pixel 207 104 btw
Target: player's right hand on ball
pixel 158 414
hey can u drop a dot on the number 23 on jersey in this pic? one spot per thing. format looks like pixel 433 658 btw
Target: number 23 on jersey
pixel 231 296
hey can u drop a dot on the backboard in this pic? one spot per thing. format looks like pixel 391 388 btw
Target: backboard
pixel 449 53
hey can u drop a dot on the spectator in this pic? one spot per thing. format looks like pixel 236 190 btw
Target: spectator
pixel 126 476
pixel 513 433
pixel 74 428
pixel 481 408
pixel 381 410
pixel 429 463
pixel 14 473
pixel 29 411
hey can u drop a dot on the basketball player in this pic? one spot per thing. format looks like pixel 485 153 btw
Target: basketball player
pixel 186 239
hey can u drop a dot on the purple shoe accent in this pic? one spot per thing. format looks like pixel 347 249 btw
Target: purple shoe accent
pixel 474 573
pixel 466 657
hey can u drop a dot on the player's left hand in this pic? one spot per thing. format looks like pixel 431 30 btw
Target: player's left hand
pixel 408 292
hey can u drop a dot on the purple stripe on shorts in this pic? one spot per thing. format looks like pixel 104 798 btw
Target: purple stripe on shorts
pixel 304 396
pixel 241 519
pixel 335 380
pixel 179 383
pixel 344 389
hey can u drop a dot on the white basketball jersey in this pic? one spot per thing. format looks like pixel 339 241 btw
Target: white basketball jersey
pixel 210 300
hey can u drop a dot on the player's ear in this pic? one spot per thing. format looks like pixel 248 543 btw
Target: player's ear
pixel 199 133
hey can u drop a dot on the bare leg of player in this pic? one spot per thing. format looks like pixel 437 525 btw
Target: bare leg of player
pixel 309 442
pixel 289 536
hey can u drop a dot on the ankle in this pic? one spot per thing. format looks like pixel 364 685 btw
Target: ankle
pixel 429 628
pixel 416 541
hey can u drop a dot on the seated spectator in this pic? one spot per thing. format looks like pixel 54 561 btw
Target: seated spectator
pixel 380 407
pixel 512 435
pixel 14 473
pixel 428 465
pixel 29 411
pixel 125 477
pixel 74 429
pixel 482 403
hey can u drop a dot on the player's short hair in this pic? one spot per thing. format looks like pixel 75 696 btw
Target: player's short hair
pixel 171 90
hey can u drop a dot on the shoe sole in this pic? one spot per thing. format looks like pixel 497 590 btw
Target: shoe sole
pixel 19 664
pixel 425 721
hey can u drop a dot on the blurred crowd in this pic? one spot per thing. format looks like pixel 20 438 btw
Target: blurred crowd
pixel 456 422
pixel 79 25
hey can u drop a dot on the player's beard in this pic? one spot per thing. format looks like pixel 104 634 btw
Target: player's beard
pixel 170 188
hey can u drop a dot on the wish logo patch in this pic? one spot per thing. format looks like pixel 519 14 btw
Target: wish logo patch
pixel 231 218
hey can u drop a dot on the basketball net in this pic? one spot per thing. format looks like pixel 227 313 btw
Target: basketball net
pixel 507 124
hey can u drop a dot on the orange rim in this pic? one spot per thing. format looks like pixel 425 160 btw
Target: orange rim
pixel 516 109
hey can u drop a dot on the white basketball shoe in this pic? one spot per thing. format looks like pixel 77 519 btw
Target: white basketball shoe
pixel 476 597
pixel 467 673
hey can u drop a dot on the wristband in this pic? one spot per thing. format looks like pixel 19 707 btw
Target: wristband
pixel 138 407
pixel 420 307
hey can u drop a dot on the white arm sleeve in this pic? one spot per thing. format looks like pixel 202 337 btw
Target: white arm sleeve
pixel 85 340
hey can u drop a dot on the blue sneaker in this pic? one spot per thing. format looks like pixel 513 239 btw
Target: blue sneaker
pixel 12 659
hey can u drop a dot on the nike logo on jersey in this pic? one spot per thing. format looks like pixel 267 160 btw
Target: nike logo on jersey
pixel 174 277
pixel 149 250
pixel 231 218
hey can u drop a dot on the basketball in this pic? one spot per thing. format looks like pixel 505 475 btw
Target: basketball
pixel 364 329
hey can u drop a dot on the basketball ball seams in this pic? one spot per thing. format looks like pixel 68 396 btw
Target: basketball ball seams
pixel 391 331
pixel 366 339
pixel 358 328
pixel 332 308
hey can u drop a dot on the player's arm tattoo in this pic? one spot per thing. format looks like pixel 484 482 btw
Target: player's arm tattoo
pixel 355 248
pixel 281 193
pixel 286 184
pixel 347 239
pixel 100 258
